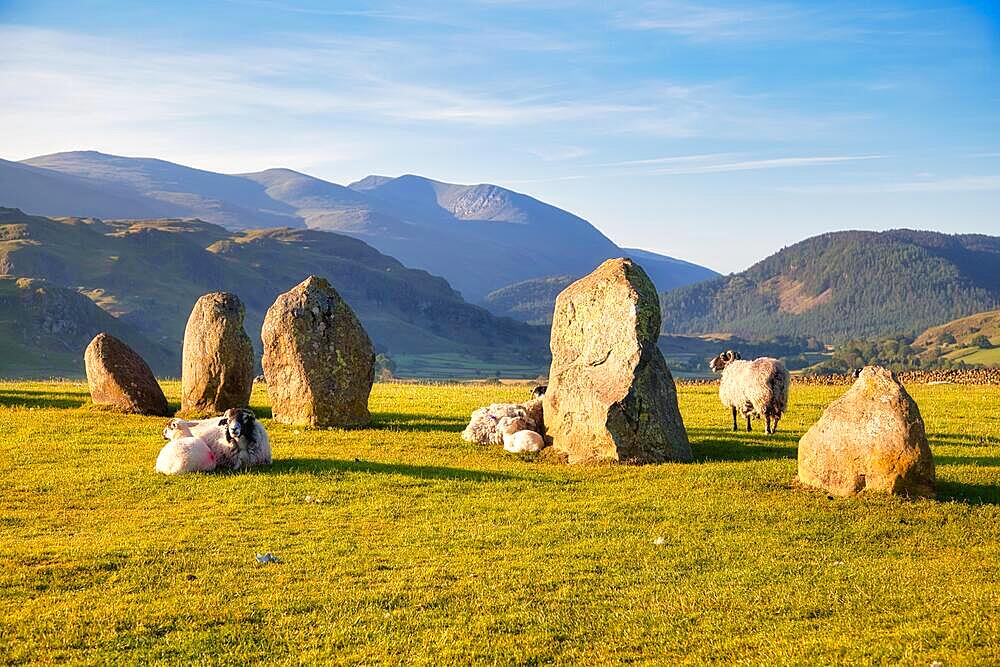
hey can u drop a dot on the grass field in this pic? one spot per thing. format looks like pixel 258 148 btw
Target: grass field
pixel 424 549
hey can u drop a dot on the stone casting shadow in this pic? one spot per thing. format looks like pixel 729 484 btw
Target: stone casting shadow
pixel 298 465
pixel 970 494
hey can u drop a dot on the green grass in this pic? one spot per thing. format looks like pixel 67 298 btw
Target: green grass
pixel 426 549
pixel 457 366
pixel 976 355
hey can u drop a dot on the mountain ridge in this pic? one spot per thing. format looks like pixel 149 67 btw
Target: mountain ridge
pixel 480 237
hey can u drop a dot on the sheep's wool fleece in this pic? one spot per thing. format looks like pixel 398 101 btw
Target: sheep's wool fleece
pixel 120 379
pixel 872 438
pixel 218 357
pixel 747 385
pixel 610 393
pixel 485 423
pixel 318 359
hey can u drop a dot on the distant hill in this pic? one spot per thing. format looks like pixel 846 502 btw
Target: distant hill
pixel 532 301
pixel 148 274
pixel 44 330
pixel 846 285
pixel 964 329
pixel 479 237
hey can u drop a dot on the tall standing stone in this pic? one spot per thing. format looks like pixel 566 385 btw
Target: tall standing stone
pixel 871 438
pixel 218 356
pixel 318 359
pixel 120 379
pixel 610 394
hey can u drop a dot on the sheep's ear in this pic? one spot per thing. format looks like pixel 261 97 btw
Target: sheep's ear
pixel 223 421
pixel 729 355
pixel 736 356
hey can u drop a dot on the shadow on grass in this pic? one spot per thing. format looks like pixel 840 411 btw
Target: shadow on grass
pixel 407 421
pixel 971 494
pixel 711 445
pixel 30 398
pixel 987 461
pixel 297 465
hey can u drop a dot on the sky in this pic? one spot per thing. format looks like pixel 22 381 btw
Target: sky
pixel 717 132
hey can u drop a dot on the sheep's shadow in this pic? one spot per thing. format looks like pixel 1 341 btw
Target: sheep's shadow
pixel 709 445
pixel 970 494
pixel 30 398
pixel 294 466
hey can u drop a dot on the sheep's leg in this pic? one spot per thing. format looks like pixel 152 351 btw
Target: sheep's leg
pixel 748 424
pixel 767 424
pixel 735 427
pixel 774 426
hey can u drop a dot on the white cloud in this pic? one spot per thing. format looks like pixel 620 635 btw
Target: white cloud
pixel 955 184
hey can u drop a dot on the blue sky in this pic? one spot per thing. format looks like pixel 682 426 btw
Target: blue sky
pixel 712 131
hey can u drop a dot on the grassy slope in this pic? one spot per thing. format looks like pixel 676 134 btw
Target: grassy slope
pixel 427 549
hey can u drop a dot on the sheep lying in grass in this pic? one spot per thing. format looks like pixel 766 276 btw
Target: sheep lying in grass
pixel 497 424
pixel 237 439
pixel 184 453
pixel 756 388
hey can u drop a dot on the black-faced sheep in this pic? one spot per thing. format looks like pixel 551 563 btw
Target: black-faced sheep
pixel 237 439
pixel 757 388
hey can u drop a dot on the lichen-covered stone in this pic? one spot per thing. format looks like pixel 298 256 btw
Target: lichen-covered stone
pixel 318 359
pixel 120 380
pixel 610 394
pixel 871 438
pixel 218 356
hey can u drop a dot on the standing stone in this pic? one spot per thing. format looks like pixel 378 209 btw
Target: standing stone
pixel 318 359
pixel 120 379
pixel 218 356
pixel 610 393
pixel 870 438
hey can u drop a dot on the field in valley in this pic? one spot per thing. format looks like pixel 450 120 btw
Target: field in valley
pixel 421 548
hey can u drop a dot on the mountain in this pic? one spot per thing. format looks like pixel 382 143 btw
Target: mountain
pixel 478 237
pixel 148 274
pixel 44 330
pixel 843 285
pixel 533 301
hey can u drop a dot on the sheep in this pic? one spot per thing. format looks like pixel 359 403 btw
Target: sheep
pixel 756 388
pixel 523 441
pixel 184 453
pixel 236 438
pixel 484 424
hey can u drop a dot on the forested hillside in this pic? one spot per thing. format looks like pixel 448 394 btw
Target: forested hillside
pixel 845 285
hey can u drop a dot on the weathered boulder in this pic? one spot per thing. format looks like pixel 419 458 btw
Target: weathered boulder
pixel 610 393
pixel 119 379
pixel 218 356
pixel 318 359
pixel 871 438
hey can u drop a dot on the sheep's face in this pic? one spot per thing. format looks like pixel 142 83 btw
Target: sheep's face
pixel 238 422
pixel 723 360
pixel 176 428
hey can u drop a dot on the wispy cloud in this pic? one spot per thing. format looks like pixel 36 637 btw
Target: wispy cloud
pixel 955 184
pixel 772 163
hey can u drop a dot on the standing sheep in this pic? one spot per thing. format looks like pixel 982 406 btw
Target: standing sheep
pixel 756 388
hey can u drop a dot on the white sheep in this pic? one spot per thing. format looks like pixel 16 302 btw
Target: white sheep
pixel 484 424
pixel 756 388
pixel 184 453
pixel 523 441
